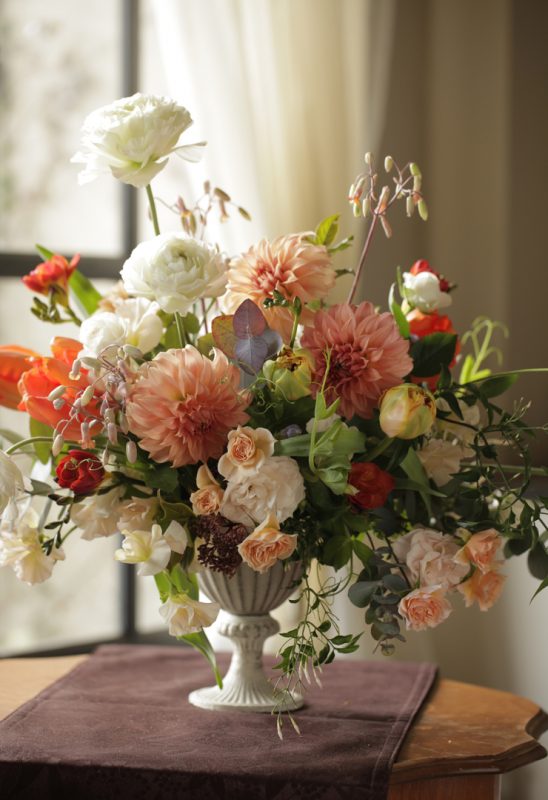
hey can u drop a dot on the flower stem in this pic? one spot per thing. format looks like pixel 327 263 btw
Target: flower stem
pixel 363 256
pixel 153 212
pixel 23 442
pixel 180 329
pixel 294 329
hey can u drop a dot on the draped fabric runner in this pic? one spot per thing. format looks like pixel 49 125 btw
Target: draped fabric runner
pixel 120 726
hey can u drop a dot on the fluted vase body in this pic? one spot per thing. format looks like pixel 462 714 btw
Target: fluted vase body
pixel 247 598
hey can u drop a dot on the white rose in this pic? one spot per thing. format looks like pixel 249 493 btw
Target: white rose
pixel 132 139
pixel 278 488
pixel 430 558
pixel 175 270
pixel 423 291
pixel 97 516
pixel 149 549
pixel 135 321
pixel 11 480
pixel 185 615
pixel 21 550
pixel 441 459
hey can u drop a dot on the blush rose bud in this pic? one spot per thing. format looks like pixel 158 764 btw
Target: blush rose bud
pixel 407 411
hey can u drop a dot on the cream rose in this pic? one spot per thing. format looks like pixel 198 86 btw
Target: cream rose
pixel 481 550
pixel 132 139
pixel 262 548
pixel 175 270
pixel 484 588
pixel 185 615
pixel 277 487
pixel 429 556
pixel 208 497
pixel 424 608
pixel 135 321
pixel 247 450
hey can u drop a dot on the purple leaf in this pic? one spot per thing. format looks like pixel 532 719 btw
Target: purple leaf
pixel 248 320
pixel 273 342
pixel 251 353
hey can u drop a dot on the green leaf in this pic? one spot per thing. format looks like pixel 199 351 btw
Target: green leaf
pixel 164 478
pixel 360 593
pixel 222 329
pixel 414 486
pixel 201 643
pixel 397 313
pixel 327 230
pixel 497 385
pixel 41 488
pixel 184 582
pixel 85 292
pixel 432 352
pixel 412 466
pixel 44 252
pixel 191 323
pixel 344 244
pixel 395 583
pixel 362 551
pixel 205 343
pixel 337 551
pixel 42 449
pixel 163 584
pixel 537 561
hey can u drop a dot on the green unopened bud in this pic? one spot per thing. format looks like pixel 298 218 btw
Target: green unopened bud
pixel 368 157
pixel 409 205
pixel 388 163
pixel 417 183
pixel 414 170
pixel 290 373
pixel 407 411
pixel 423 210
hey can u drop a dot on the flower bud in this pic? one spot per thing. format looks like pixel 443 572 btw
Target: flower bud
pixel 407 411
pixel 56 393
pixel 366 209
pixel 423 210
pixel 388 163
pixel 368 158
pixel 57 446
pixel 86 396
pixel 74 373
pixel 58 404
pixel 290 373
pixel 409 205
pixel 414 170
pixel 131 452
pixel 112 433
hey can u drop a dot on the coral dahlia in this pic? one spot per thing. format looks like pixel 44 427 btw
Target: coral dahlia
pixel 183 406
pixel 367 355
pixel 289 265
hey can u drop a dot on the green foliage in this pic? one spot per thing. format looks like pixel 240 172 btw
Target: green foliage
pixel 433 352
pixel 85 293
pixel 42 449
pixel 397 313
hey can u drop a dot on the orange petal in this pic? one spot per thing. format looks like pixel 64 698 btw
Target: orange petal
pixel 14 361
pixel 65 349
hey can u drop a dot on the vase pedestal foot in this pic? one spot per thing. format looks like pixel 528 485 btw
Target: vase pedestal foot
pixel 245 686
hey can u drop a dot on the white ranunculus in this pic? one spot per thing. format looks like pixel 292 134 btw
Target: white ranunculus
pixel 149 549
pixel 11 480
pixel 97 515
pixel 278 488
pixel 175 270
pixel 423 291
pixel 441 459
pixel 135 321
pixel 132 139
pixel 21 550
pixel 185 615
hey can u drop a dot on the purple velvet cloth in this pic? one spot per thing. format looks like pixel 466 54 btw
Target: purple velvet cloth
pixel 120 726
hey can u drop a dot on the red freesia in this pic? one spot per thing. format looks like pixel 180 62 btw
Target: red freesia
pixel 45 375
pixel 373 485
pixel 424 266
pixel 80 471
pixel 423 325
pixel 55 272
pixel 14 361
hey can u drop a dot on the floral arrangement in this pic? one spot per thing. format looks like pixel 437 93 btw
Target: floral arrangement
pixel 218 411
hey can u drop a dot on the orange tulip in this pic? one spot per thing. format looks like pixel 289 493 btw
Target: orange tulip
pixel 14 361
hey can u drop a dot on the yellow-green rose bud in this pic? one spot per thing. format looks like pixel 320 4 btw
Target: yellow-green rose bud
pixel 407 411
pixel 290 373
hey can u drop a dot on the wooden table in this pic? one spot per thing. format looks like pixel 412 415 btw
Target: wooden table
pixel 464 738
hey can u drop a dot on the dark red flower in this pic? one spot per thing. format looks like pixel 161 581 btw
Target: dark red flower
pixel 53 273
pixel 424 266
pixel 80 471
pixel 373 485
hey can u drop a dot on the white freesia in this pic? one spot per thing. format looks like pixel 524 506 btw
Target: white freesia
pixel 441 459
pixel 135 321
pixel 97 515
pixel 148 548
pixel 277 487
pixel 20 549
pixel 177 537
pixel 11 480
pixel 185 615
pixel 175 270
pixel 423 291
pixel 132 139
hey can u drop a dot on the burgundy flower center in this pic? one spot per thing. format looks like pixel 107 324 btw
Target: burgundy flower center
pixel 346 364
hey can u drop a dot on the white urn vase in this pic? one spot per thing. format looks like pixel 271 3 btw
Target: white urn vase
pixel 247 597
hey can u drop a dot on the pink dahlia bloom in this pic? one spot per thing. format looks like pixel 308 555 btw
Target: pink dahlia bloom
pixel 368 355
pixel 184 405
pixel 289 265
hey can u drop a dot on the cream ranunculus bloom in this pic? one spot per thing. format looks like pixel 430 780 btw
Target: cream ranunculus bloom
pixel 20 549
pixel 185 615
pixel 148 549
pixel 277 487
pixel 11 480
pixel 423 291
pixel 135 321
pixel 132 139
pixel 175 270
pixel 262 548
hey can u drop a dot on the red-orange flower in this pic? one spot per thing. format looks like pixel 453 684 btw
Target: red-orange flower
pixel 55 272
pixel 373 485
pixel 14 361
pixel 80 471
pixel 423 325
pixel 45 375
